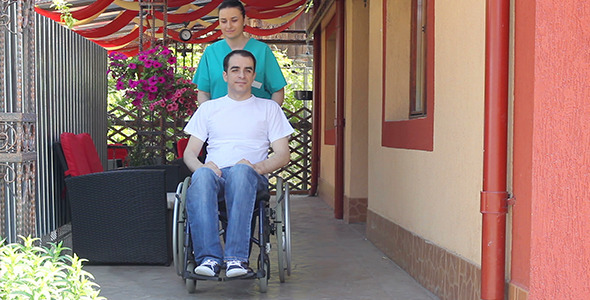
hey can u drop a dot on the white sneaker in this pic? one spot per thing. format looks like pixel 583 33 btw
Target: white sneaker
pixel 208 268
pixel 235 268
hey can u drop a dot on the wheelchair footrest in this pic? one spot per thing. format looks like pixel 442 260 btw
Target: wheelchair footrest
pixel 250 275
pixel 191 275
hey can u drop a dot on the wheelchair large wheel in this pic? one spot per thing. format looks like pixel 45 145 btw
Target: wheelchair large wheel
pixel 178 222
pixel 287 220
pixel 280 230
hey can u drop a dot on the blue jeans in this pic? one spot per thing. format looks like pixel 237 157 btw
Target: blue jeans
pixel 238 185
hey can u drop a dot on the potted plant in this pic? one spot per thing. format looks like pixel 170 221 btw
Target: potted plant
pixel 162 94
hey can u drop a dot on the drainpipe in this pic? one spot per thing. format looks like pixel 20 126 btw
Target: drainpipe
pixel 317 110
pixel 494 196
pixel 339 123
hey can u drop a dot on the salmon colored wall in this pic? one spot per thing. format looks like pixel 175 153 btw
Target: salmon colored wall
pixel 435 194
pixel 356 109
pixel 524 71
pixel 560 239
pixel 326 180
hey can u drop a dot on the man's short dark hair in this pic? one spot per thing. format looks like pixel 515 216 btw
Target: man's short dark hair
pixel 233 3
pixel 243 53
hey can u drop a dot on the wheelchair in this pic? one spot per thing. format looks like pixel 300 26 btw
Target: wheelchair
pixel 272 219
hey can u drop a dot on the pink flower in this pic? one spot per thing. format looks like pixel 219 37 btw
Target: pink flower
pixel 148 64
pixel 120 85
pixel 161 79
pixel 133 83
pixel 136 102
pixel 153 80
pixel 172 60
pixel 166 51
pixel 152 88
pixel 132 66
pixel 140 95
pixel 156 64
pixel 117 56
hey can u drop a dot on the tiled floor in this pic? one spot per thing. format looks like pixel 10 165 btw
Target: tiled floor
pixel 331 260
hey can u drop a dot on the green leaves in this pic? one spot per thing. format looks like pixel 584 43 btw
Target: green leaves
pixel 64 8
pixel 32 272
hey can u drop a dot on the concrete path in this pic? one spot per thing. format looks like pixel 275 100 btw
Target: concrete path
pixel 330 260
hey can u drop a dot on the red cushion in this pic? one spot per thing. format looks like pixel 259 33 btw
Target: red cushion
pixel 181 146
pixel 117 153
pixel 75 157
pixel 91 154
pixel 80 154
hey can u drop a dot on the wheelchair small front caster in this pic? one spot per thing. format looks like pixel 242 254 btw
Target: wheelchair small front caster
pixel 191 284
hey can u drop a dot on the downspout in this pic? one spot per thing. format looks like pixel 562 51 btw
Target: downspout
pixel 317 110
pixel 494 195
pixel 339 122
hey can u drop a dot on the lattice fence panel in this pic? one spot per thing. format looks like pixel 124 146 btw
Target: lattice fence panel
pixel 137 130
pixel 298 172
pixel 158 136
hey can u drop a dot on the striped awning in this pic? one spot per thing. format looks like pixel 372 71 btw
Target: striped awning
pixel 116 24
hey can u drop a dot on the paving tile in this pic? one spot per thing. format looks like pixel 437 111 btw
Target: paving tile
pixel 331 260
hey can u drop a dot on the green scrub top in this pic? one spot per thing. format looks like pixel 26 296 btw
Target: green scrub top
pixel 209 74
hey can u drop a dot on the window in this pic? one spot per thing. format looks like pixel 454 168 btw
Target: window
pixel 408 77
pixel 418 59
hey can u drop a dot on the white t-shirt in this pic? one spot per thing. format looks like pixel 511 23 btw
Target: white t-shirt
pixel 238 129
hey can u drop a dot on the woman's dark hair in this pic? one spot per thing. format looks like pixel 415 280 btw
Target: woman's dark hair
pixel 233 3
pixel 241 52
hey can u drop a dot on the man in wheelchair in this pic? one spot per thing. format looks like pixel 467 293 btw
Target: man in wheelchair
pixel 239 129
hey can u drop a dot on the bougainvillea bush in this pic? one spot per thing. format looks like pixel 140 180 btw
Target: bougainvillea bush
pixel 150 82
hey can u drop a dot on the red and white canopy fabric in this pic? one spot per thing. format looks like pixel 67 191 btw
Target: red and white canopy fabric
pixel 115 24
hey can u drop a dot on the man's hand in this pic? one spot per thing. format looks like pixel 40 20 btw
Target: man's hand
pixel 211 165
pixel 279 159
pixel 247 162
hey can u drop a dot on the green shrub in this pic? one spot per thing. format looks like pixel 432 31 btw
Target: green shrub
pixel 32 272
